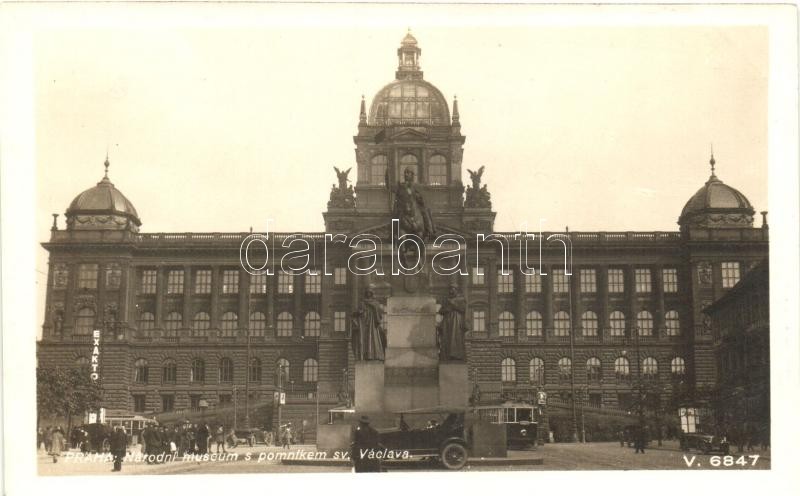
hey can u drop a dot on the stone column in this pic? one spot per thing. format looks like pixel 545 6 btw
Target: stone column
pixel 69 300
pixel 244 300
pixel 125 293
pixel 325 311
pixel 215 283
pixel 187 297
pixel 160 297
pixel 297 303
pixel 630 299
pixel 547 295
pixel 577 308
pixel 658 291
pixel 490 278
pixel 602 288
pixel 519 301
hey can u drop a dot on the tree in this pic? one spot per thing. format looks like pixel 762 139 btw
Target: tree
pixel 66 392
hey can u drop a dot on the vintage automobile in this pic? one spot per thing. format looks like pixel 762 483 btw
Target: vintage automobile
pixel 705 443
pixel 430 433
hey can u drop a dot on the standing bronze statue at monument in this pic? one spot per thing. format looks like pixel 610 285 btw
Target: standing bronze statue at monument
pixel 452 327
pixel 368 337
pixel 410 210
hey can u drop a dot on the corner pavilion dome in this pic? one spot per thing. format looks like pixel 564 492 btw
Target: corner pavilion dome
pixel 717 205
pixel 409 100
pixel 102 207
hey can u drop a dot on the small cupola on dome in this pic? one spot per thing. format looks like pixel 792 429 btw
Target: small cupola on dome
pixel 409 100
pixel 717 205
pixel 102 207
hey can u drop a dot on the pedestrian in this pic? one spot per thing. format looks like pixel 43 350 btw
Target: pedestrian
pixel 621 437
pixel 202 438
pixel 639 440
pixel 48 439
pixel 119 447
pixel 287 436
pixel 57 444
pixel 362 450
pixel 39 438
pixel 220 438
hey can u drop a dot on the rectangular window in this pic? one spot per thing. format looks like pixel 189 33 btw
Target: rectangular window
pixel 258 283
pixel 533 283
pixel 167 402
pixel 285 283
pixel 670 279
pixel 230 281
pixel 87 276
pixel 149 277
pixel 138 402
pixel 479 321
pixel 505 282
pixel 313 283
pixel 560 281
pixel 175 282
pixel 588 281
pixel 730 274
pixel 339 321
pixel 616 281
pixel 194 401
pixel 644 283
pixel 202 281
pixel 340 276
pixel 478 277
pixel 225 399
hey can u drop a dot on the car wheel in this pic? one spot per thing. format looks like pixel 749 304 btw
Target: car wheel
pixel 454 456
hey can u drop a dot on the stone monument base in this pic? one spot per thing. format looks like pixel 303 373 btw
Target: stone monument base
pixel 369 386
pixel 453 384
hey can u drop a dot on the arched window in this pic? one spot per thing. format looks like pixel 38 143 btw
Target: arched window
pixel 506 324
pixel 650 367
pixel 644 321
pixel 617 321
pixel 437 170
pixel 169 371
pixel 409 162
pixel 258 323
pixel 311 324
pixel 672 323
pixel 285 324
pixel 622 368
pixel 229 323
pixel 589 323
pixel 533 323
pixel 537 371
pixel 173 321
pixel 84 321
pixel 255 370
pixel 594 370
pixel 282 372
pixel 201 322
pixel 147 321
pixel 678 366
pixel 377 170
pixel 561 322
pixel 310 369
pixel 508 370
pixel 225 370
pixel 564 368
pixel 198 371
pixel 141 371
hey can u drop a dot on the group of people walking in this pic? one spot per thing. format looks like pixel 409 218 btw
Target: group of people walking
pixel 53 440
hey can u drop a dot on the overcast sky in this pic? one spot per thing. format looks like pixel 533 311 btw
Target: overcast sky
pixel 219 129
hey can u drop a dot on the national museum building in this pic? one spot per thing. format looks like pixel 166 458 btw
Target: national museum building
pixel 183 324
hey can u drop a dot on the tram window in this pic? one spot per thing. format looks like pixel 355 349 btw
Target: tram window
pixel 509 415
pixel 524 415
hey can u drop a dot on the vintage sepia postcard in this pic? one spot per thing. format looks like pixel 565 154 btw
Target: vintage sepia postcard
pixel 285 239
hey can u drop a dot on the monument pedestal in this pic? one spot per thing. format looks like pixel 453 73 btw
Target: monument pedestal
pixel 369 386
pixel 453 384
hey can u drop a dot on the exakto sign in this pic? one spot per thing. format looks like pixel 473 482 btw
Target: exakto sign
pixel 95 355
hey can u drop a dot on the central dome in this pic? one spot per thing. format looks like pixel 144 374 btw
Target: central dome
pixel 410 102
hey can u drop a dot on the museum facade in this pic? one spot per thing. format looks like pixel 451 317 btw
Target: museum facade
pixel 183 324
